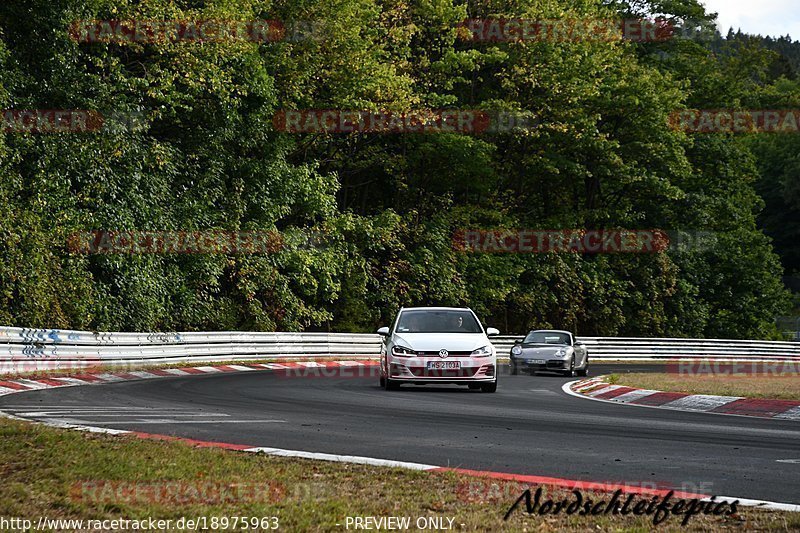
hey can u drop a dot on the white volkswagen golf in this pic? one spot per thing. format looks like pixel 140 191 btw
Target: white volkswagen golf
pixel 438 345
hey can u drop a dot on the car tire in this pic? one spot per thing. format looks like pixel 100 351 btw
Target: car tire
pixel 572 372
pixel 390 384
pixel 584 371
pixel 489 387
pixel 383 382
pixel 514 369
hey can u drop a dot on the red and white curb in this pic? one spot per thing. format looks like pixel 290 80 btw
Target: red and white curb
pixel 293 368
pixel 24 385
pixel 600 390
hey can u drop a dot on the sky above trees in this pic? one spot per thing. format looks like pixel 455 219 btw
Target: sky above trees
pixel 766 17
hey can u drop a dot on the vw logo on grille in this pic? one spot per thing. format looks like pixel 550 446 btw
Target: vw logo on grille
pixel 443 354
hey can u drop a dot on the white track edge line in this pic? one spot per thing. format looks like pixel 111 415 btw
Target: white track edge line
pixel 763 504
pixel 354 459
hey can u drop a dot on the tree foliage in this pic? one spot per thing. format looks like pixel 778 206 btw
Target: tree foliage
pixel 383 208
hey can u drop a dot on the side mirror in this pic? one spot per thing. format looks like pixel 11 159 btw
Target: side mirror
pixel 491 332
pixel 578 343
pixel 384 331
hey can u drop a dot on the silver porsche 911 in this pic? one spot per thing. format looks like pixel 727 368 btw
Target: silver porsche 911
pixel 550 351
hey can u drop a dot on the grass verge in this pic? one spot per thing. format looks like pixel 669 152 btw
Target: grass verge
pixel 747 386
pixel 68 474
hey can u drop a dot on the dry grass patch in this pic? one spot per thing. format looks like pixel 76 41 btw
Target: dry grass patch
pixel 747 386
pixel 43 470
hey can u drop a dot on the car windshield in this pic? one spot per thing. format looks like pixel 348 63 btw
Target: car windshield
pixel 438 321
pixel 546 337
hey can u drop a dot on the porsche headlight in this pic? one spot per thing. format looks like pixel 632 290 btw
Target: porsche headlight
pixel 516 350
pixel 483 351
pixel 402 351
pixel 561 352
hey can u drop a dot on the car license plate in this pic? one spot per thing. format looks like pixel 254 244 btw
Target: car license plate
pixel 536 361
pixel 444 365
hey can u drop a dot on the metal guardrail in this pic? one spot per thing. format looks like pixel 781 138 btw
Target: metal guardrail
pixel 24 349
pixel 645 349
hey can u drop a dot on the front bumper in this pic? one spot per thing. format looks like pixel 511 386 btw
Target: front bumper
pixel 553 365
pixel 471 370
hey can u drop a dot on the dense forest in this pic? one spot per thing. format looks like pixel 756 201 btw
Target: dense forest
pixel 382 209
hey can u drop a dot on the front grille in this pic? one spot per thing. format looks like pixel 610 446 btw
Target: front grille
pixel 555 364
pixel 449 354
pixel 456 373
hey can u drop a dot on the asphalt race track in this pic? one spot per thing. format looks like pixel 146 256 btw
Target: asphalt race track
pixel 528 427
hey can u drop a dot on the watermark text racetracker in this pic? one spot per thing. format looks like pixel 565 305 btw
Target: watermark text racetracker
pixel 74 121
pixel 175 492
pixel 735 368
pixel 487 490
pixel 50 121
pixel 736 120
pixel 566 30
pixel 460 121
pixel 162 31
pixel 196 523
pixel 581 241
pixel 263 31
pixel 175 242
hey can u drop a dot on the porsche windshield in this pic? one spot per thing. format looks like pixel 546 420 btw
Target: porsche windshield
pixel 445 321
pixel 546 337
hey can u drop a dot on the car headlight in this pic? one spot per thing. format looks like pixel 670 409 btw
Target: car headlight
pixel 402 351
pixel 561 352
pixel 483 351
pixel 516 350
